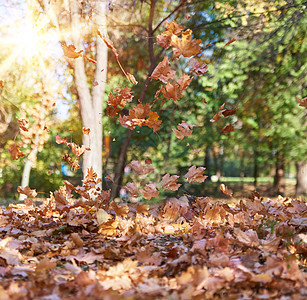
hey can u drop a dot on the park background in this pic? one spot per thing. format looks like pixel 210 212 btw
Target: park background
pixel 256 57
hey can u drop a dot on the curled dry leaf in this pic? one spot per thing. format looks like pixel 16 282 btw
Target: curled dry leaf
pixel 60 140
pixel 26 191
pixel 302 102
pixel 23 124
pixel 15 151
pixel 131 78
pixel 150 191
pixel 163 72
pixel 86 130
pixel 90 59
pixel 195 174
pixel 198 68
pixel 102 216
pixel 169 182
pixel 132 189
pixel 165 38
pixel 183 129
pixel 229 112
pixel 70 51
pixel 227 129
pixel 109 44
pixel 225 190
pixel 1 84
pixel 120 210
pixel 218 115
pixel 230 41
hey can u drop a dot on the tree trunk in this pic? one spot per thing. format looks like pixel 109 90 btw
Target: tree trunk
pixel 25 180
pixel 120 165
pixel 279 178
pixel 91 104
pixel 301 178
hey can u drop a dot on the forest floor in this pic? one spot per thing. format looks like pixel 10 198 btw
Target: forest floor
pixel 186 248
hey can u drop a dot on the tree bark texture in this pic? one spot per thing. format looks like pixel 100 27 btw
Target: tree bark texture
pixel 279 178
pixel 301 178
pixel 91 101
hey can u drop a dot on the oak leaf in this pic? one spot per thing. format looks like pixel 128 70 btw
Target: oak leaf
pixel 227 129
pixel 225 190
pixel 218 115
pixel 150 191
pixel 195 174
pixel 132 189
pixel 169 182
pixel 197 68
pixel 184 129
pixel 60 140
pixel 15 151
pixel 26 191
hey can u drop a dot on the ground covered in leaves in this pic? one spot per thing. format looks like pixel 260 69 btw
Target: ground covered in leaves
pixel 186 248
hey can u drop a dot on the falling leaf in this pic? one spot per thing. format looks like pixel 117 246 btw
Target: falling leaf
pixel 302 102
pixel 229 112
pixel 169 182
pixel 102 216
pixel 195 174
pixel 165 38
pixel 131 78
pixel 163 72
pixel 184 129
pixel 185 45
pixel 23 124
pixel 227 129
pixel 120 210
pixel 150 191
pixel 225 190
pixel 70 51
pixel 95 83
pixel 109 44
pixel 60 140
pixel 208 45
pixel 15 151
pixel 132 189
pixel 230 41
pixel 1 84
pixel 204 100
pixel 86 130
pixel 109 178
pixel 218 115
pixel 198 68
pixel 148 161
pixel 27 191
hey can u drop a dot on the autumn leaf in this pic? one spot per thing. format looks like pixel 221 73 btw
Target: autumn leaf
pixel 131 78
pixel 302 102
pixel 102 216
pixel 185 45
pixel 60 140
pixel 90 59
pixel 230 41
pixel 120 210
pixel 76 239
pixel 197 68
pixel 15 151
pixel 165 38
pixel 142 208
pixel 1 84
pixel 169 182
pixel 184 129
pixel 23 124
pixel 132 189
pixel 148 161
pixel 225 190
pixel 27 191
pixel 218 115
pixel 229 112
pixel 163 72
pixel 172 91
pixel 70 51
pixel 150 191
pixel 184 81
pixel 227 129
pixel 86 130
pixel 137 167
pixel 175 208
pixel 195 174
pixel 109 44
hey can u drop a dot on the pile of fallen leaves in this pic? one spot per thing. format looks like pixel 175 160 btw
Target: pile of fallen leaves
pixel 186 248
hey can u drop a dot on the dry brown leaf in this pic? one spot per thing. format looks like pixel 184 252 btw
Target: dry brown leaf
pixel 169 182
pixel 225 190
pixel 15 151
pixel 195 174
pixel 27 191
